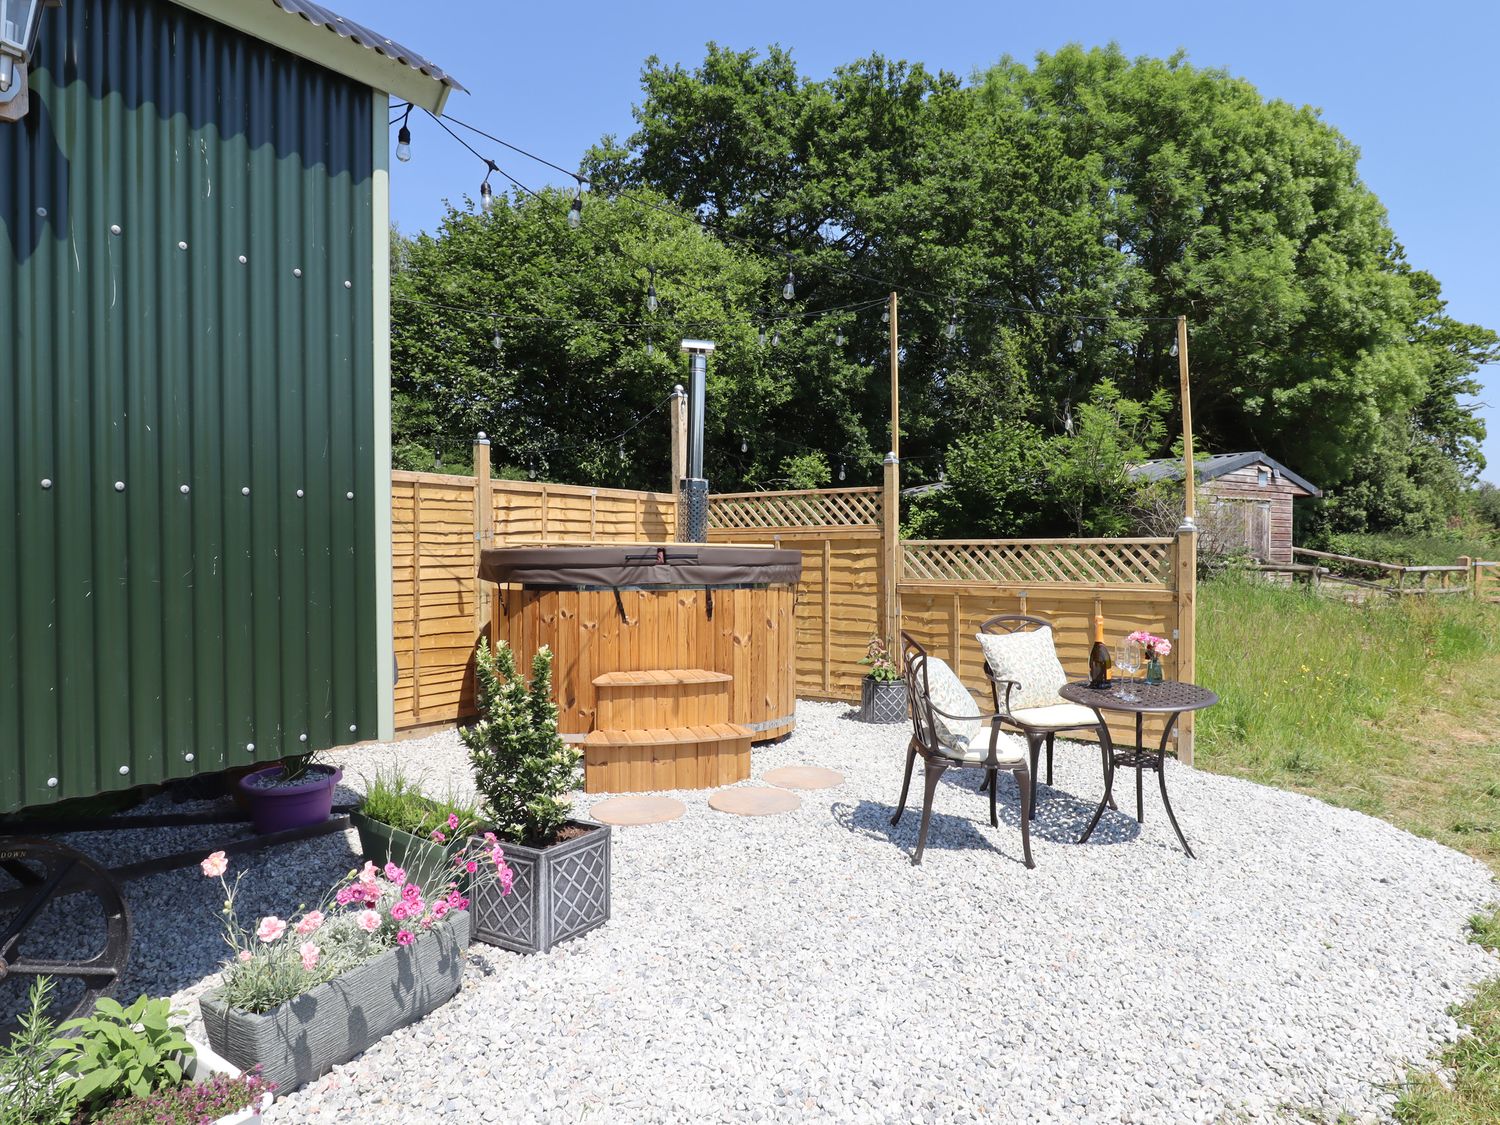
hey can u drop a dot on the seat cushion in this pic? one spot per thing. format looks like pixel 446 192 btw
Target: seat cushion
pixel 1009 749
pixel 949 694
pixel 1059 716
pixel 1029 658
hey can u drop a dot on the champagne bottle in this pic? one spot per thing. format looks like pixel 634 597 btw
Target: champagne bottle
pixel 1100 662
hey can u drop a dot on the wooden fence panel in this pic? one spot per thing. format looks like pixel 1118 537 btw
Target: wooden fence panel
pixel 1487 580
pixel 827 508
pixel 438 600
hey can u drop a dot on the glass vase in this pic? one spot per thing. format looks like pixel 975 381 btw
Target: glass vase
pixel 1153 670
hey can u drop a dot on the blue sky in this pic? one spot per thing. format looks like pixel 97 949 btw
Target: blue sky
pixel 1411 84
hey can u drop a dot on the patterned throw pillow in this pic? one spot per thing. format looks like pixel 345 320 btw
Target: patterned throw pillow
pixel 1030 659
pixel 949 694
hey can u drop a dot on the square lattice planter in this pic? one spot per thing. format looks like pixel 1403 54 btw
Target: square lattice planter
pixel 559 892
pixel 308 1036
pixel 882 701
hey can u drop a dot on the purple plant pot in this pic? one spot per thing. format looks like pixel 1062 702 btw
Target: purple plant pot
pixel 299 805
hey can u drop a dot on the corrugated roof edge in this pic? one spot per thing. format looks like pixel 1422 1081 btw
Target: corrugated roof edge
pixel 319 16
pixel 321 36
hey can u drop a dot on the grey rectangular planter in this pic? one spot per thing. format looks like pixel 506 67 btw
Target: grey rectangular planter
pixel 559 892
pixel 423 859
pixel 310 1035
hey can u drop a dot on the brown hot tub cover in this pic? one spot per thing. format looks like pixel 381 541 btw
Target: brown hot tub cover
pixel 675 566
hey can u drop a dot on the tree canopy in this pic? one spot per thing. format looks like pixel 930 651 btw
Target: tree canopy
pixel 1060 215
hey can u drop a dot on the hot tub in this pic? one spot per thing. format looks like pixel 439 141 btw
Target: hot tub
pixel 670 660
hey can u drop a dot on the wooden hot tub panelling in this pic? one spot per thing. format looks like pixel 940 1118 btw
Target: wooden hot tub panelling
pixel 664 671
pixel 749 637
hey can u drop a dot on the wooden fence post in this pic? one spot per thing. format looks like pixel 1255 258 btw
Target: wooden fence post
pixel 679 417
pixel 484 528
pixel 1186 583
pixel 1471 574
pixel 891 561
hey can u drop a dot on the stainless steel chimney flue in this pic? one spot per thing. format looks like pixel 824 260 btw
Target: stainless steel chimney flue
pixel 692 516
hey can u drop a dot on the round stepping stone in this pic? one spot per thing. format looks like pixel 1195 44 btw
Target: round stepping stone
pixel 631 811
pixel 803 777
pixel 754 800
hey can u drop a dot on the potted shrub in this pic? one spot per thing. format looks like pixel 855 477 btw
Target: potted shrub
pixel 398 823
pixel 524 771
pixel 882 693
pixel 223 1099
pixel 294 793
pixel 302 995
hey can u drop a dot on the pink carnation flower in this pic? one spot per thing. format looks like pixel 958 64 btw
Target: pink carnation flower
pixel 347 895
pixel 400 910
pixel 310 922
pixel 471 867
pixel 411 892
pixel 405 937
pixel 270 929
pixel 440 909
pixel 489 837
pixel 395 874
pixel 309 953
pixel 507 880
pixel 369 874
pixel 453 822
pixel 438 837
pixel 215 865
pixel 455 900
pixel 244 955
pixel 368 920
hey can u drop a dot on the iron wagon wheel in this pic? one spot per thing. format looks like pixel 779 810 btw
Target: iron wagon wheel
pixel 43 872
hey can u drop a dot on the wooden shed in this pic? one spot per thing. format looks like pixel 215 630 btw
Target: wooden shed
pixel 195 510
pixel 1251 492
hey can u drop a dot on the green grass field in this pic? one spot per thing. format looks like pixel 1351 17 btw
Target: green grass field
pixel 1389 708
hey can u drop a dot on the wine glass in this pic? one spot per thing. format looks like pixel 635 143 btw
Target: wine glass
pixel 1128 661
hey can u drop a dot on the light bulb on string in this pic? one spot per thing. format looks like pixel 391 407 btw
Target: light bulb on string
pixel 650 347
pixel 651 301
pixel 885 315
pixel 496 338
pixel 760 336
pixel 487 193
pixel 744 446
pixel 838 340
pixel 575 210
pixel 403 138
pixel 942 475
pixel 841 470
pixel 776 338
pixel 1077 345
pixel 951 331
pixel 789 290
pixel 1172 351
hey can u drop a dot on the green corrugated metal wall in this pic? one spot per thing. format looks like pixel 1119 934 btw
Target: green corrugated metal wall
pixel 185 309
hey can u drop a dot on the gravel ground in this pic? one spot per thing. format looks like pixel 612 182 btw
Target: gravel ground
pixel 797 967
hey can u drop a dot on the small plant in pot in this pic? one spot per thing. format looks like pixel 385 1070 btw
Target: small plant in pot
pixel 297 792
pixel 882 693
pixel 524 771
pixel 398 823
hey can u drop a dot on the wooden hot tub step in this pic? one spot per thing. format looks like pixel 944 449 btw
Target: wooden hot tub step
pixel 651 758
pixel 659 676
pixel 656 699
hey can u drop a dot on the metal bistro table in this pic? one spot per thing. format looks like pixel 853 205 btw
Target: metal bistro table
pixel 1170 698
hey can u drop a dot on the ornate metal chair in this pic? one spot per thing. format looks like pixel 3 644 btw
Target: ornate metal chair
pixel 952 736
pixel 1039 722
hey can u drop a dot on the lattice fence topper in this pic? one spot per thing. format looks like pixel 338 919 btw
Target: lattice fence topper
pixel 839 507
pixel 1020 562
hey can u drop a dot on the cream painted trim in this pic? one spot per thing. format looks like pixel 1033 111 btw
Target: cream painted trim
pixel 380 296
pixel 263 20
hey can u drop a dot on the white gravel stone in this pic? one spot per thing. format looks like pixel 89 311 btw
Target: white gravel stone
pixel 793 967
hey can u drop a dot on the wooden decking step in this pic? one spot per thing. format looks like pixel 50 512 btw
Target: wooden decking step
pixel 658 677
pixel 669 736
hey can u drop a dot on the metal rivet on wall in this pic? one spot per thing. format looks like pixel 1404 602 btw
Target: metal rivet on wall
pixel 250 746
pixel 348 284
pixel 114 228
pixel 41 212
pixel 245 491
pixel 243 259
pixel 119 486
pixel 348 496
pixel 352 728
pixel 46 482
pixel 124 770
pixel 302 737
pixel 300 494
pixel 297 273
pixel 188 757
pixel 182 246
pixel 52 783
pixel 184 489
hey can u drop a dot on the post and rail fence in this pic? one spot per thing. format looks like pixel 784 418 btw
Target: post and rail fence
pixel 1345 573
